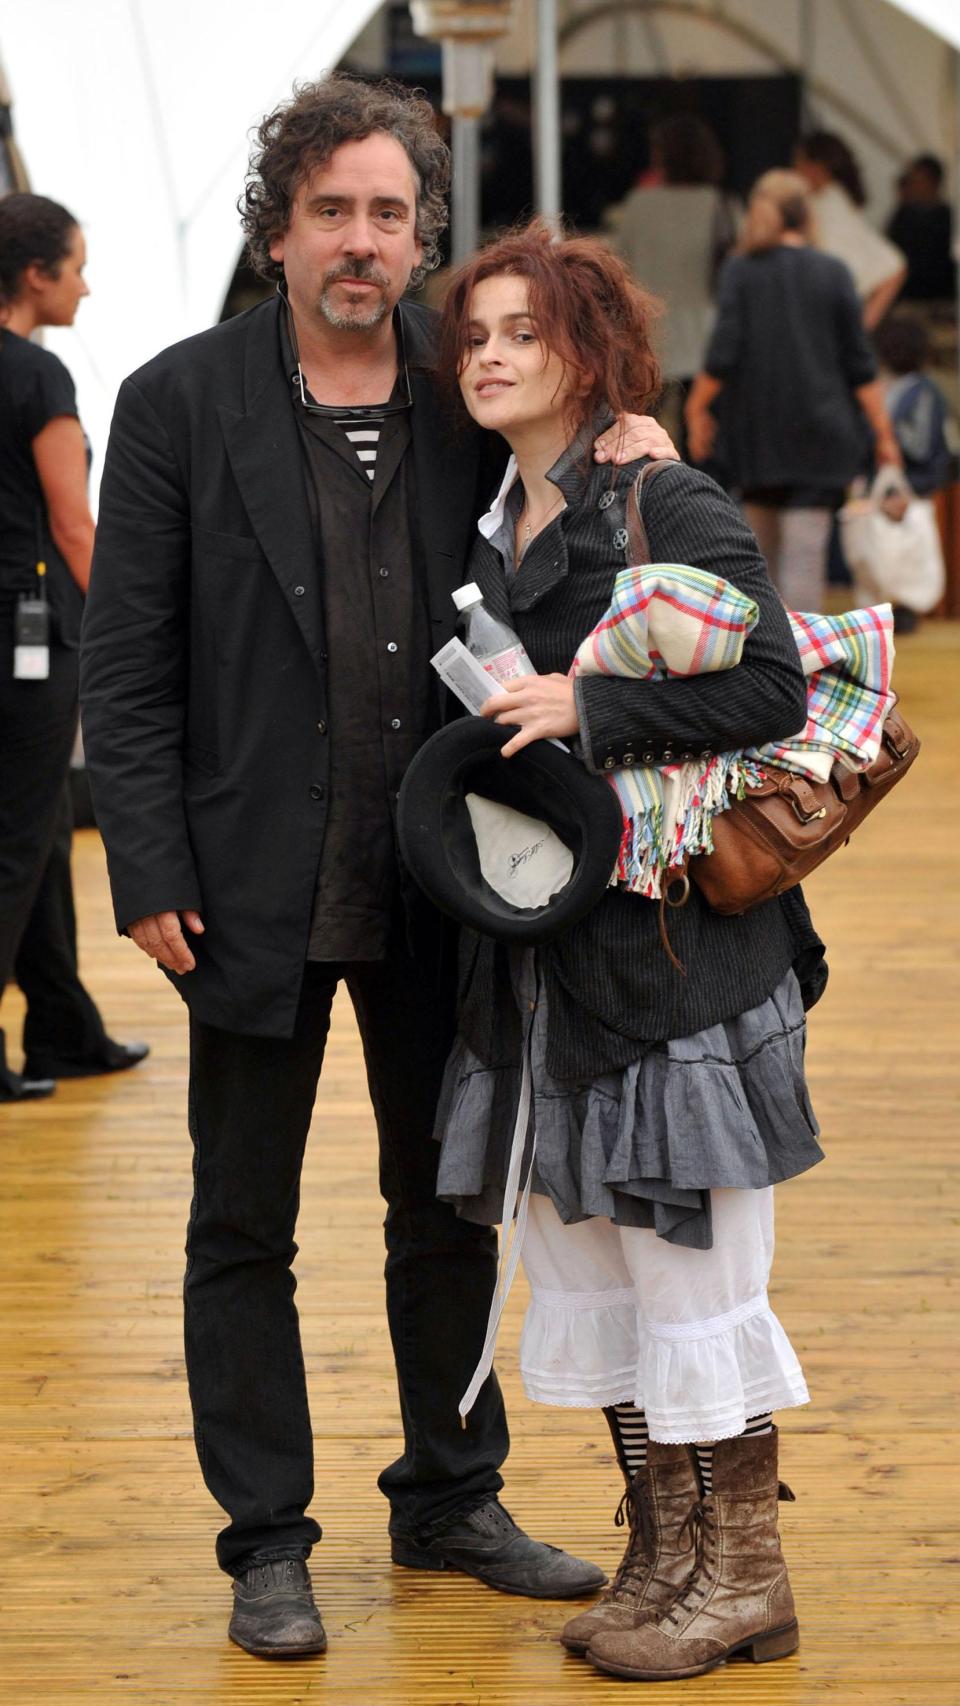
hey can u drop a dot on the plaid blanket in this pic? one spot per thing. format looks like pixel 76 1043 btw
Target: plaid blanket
pixel 848 662
pixel 669 619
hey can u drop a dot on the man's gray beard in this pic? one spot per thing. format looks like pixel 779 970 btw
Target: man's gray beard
pixel 355 318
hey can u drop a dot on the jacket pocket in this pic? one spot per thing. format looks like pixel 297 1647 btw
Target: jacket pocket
pixel 227 544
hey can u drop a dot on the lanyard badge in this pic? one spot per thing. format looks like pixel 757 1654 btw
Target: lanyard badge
pixel 31 633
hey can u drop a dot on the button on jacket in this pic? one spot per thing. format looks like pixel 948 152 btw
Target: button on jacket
pixel 609 984
pixel 205 671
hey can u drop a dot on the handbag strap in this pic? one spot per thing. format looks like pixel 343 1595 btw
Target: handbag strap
pixel 631 521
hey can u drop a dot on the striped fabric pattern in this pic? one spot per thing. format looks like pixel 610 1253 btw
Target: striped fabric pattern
pixel 669 620
pixel 365 438
pixel 628 1427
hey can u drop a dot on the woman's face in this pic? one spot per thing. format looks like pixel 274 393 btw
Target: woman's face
pixel 58 298
pixel 509 380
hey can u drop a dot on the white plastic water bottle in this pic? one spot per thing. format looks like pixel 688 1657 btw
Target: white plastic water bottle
pixel 489 640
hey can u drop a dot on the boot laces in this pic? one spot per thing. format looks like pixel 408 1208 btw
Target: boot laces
pixel 634 1510
pixel 698 1526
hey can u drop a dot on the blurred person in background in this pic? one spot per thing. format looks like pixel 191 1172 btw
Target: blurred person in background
pixel 922 227
pixel 842 229
pixel 798 379
pixel 914 402
pixel 45 525
pixel 674 232
pixel 918 414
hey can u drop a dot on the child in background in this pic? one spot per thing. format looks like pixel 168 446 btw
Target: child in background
pixel 918 412
pixel 915 404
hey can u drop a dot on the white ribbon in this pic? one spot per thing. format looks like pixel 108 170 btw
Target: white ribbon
pixel 511 1242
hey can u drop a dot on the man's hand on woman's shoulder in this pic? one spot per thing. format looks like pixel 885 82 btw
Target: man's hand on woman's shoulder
pixel 633 436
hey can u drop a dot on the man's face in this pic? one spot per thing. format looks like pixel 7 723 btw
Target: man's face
pixel 351 244
pixel 920 185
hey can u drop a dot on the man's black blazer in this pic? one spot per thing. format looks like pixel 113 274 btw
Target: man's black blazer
pixel 203 666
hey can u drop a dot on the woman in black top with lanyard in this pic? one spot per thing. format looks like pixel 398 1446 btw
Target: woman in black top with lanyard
pixel 46 542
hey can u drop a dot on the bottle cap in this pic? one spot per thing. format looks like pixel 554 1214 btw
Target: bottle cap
pixel 467 596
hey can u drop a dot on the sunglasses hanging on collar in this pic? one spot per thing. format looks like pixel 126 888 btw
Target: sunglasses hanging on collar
pixel 346 411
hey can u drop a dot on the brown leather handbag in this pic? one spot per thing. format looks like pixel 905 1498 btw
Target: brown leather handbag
pixel 779 832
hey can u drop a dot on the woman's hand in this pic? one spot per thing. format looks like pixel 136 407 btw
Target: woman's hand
pixel 633 436
pixel 541 706
pixel 701 433
pixel 699 417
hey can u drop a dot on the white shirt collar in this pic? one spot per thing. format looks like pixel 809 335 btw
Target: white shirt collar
pixel 490 523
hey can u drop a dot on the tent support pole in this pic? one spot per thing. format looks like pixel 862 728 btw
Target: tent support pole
pixel 807 53
pixel 546 93
pixel 465 188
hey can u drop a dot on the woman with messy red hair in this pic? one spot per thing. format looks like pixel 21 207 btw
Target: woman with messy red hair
pixel 667 1090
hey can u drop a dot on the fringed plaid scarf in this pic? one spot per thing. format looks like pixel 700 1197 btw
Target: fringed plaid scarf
pixel 668 619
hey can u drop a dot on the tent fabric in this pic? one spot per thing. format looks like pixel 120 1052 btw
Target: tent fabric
pixel 941 16
pixel 137 117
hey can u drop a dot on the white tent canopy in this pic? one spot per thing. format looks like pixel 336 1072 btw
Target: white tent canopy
pixel 941 16
pixel 137 117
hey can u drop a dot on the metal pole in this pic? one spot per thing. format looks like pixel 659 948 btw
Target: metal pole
pixel 465 189
pixel 807 57
pixel 546 99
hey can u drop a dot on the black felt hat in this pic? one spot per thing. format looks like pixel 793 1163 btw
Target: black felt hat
pixel 518 848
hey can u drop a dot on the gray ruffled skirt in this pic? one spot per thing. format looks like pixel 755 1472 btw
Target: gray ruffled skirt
pixel 645 1146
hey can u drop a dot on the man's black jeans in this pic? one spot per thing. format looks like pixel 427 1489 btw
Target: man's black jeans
pixel 251 1099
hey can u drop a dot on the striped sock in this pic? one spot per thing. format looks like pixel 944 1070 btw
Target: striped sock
pixel 628 1426
pixel 756 1425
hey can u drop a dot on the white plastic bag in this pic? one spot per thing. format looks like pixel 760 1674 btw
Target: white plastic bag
pixel 897 560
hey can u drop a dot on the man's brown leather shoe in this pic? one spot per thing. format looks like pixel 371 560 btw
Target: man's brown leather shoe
pixel 274 1613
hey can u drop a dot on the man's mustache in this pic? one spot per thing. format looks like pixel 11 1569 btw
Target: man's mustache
pixel 357 269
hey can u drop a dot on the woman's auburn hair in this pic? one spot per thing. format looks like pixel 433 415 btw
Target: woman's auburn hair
pixel 586 307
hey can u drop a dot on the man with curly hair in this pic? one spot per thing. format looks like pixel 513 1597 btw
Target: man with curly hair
pixel 284 515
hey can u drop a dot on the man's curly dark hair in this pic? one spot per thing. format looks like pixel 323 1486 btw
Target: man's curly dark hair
pixel 305 132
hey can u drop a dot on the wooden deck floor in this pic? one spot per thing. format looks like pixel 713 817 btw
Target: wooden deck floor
pixel 108 1590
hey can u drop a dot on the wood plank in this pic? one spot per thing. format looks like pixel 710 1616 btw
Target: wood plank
pixel 107 1579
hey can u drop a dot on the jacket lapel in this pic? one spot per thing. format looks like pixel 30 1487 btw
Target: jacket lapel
pixel 446 472
pixel 267 460
pixel 545 563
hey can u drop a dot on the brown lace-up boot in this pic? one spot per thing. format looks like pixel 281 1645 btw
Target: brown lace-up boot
pixel 738 1599
pixel 657 1560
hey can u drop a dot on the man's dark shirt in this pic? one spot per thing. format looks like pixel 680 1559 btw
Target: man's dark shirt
pixel 377 632
pixel 924 231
